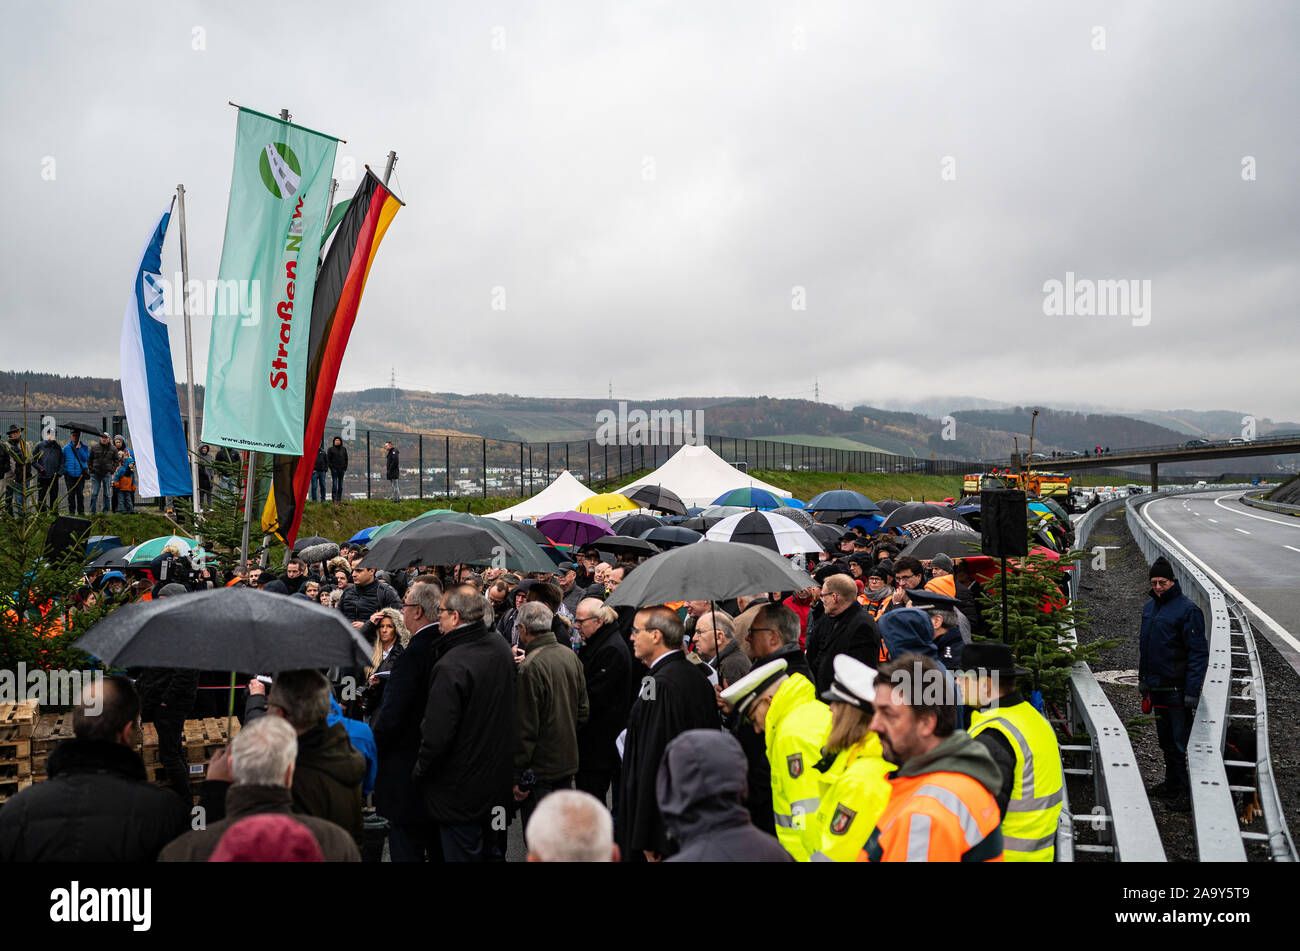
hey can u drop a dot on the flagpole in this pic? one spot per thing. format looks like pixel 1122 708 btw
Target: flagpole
pixel 189 352
pixel 388 169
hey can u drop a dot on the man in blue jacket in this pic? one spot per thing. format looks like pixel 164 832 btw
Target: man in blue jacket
pixel 76 458
pixel 1171 670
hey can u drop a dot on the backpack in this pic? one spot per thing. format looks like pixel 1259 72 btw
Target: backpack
pixel 126 483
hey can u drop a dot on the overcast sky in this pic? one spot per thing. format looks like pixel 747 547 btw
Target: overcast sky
pixel 653 183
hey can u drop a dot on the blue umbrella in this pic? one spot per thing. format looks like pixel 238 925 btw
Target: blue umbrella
pixel 749 497
pixel 868 523
pixel 363 536
pixel 793 503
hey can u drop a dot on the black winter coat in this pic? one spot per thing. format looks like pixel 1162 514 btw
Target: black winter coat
pixel 396 725
pixel 676 700
pixel 96 806
pixel 174 686
pixel 322 461
pixel 851 632
pixel 465 762
pixel 390 464
pixel 607 665
pixel 372 697
pixel 338 456
pixel 359 602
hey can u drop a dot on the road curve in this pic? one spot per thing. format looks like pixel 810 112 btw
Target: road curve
pixel 1254 556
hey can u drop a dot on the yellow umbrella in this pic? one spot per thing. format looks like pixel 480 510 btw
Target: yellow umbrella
pixel 606 503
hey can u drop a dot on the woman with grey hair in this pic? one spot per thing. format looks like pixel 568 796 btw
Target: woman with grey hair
pixel 391 637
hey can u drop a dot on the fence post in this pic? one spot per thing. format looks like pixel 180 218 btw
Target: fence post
pixel 485 468
pixel 446 451
pixel 548 462
pixel 588 462
pixel 521 467
pixel 367 463
pixel 420 476
pixel 530 469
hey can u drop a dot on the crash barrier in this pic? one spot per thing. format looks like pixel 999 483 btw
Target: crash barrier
pixel 1251 678
pixel 1218 834
pixel 1257 500
pixel 1125 824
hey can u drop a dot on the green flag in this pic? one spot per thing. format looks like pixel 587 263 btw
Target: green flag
pixel 257 360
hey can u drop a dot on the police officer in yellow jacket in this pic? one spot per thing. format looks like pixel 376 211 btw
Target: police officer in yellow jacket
pixel 1024 746
pixel 853 783
pixel 794 723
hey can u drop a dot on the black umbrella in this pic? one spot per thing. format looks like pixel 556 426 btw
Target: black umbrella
pixel 660 499
pixel 828 535
pixel 532 531
pixel 671 536
pixel 81 428
pixel 521 552
pixel 435 543
pixel 888 505
pixel 226 629
pixel 635 524
pixel 707 571
pixel 841 500
pixel 915 511
pixel 302 543
pixel 624 545
pixel 700 523
pixel 113 558
pixel 956 544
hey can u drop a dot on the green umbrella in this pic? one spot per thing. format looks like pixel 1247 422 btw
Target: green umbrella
pixel 384 529
pixel 146 552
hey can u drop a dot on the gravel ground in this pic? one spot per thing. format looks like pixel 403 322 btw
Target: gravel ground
pixel 1114 599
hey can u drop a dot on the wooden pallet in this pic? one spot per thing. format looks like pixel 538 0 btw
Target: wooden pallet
pixel 51 730
pixel 14 750
pixel 12 771
pixel 12 787
pixel 18 720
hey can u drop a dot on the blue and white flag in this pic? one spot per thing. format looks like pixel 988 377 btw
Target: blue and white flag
pixel 162 463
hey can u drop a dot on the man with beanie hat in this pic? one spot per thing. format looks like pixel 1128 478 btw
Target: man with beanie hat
pixel 1172 660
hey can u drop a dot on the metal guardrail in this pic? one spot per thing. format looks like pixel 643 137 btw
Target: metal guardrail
pixel 1278 836
pixel 1281 508
pixel 1126 826
pixel 1218 834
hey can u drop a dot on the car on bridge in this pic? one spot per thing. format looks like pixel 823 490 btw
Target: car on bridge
pixel 1196 444
pixel 1238 441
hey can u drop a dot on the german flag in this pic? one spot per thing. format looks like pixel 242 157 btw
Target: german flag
pixel 339 286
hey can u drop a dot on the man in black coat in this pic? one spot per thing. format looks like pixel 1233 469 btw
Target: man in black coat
pixel 392 468
pixel 365 596
pixel 337 456
pixel 96 804
pixel 846 629
pixel 412 835
pixel 672 699
pixel 167 697
pixel 465 762
pixel 607 665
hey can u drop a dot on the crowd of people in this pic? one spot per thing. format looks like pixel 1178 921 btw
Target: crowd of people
pixel 861 717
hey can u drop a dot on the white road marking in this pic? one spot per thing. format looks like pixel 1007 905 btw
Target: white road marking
pixel 1264 518
pixel 1215 521
pixel 1292 547
pixel 1242 530
pixel 1222 583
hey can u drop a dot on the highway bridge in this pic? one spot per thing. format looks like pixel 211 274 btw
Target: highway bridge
pixel 1274 444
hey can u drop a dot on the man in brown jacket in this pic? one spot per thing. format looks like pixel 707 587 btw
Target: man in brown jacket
pixel 262 763
pixel 550 704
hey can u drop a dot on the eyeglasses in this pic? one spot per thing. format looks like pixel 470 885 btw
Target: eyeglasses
pixel 582 620
pixel 446 611
pixel 409 604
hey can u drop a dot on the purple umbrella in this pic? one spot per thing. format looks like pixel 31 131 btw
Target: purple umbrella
pixel 574 528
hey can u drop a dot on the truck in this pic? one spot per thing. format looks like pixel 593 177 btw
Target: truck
pixel 1047 485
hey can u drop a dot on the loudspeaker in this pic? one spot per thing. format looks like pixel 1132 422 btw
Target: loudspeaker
pixel 1004 531
pixel 66 532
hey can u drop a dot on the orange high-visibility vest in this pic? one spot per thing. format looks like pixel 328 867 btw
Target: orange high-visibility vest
pixel 937 817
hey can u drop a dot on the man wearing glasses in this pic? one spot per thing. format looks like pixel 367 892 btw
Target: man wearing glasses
pixel 607 666
pixel 412 835
pixel 1172 660
pixel 846 628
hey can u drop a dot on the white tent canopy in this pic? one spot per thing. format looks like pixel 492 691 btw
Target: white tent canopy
pixel 563 494
pixel 699 475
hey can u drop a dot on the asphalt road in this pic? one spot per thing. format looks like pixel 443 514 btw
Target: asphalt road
pixel 1253 555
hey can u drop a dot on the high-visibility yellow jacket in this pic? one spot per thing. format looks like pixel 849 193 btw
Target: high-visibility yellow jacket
pixel 1034 809
pixel 796 727
pixel 854 793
